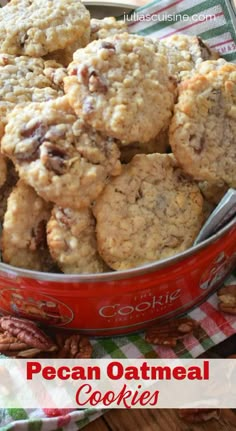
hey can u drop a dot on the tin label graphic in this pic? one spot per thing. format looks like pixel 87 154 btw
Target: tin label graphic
pixel 35 306
pixel 216 271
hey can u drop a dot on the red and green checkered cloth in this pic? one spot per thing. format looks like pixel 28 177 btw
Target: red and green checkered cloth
pixel 215 327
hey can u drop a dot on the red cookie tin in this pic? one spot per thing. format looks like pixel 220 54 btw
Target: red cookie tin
pixel 124 301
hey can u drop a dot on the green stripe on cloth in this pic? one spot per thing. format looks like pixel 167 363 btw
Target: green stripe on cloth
pixel 230 57
pixel 204 339
pixel 17 414
pixel 214 32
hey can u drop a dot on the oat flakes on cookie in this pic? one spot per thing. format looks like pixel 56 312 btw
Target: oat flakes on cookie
pixel 24 230
pixel 184 53
pixel 120 86
pixel 150 212
pixel 72 241
pixel 203 129
pixel 22 80
pixel 37 27
pixel 54 152
pixel 102 28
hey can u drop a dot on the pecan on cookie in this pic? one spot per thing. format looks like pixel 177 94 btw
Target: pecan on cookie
pixel 35 28
pixel 150 212
pixel 72 241
pixel 203 129
pixel 120 86
pixel 24 230
pixel 65 161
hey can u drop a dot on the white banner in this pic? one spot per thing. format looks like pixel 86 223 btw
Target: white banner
pixel 113 383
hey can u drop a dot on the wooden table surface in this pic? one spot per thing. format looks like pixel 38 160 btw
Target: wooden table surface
pixel 155 419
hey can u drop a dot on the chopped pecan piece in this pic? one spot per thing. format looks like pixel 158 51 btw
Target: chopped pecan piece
pixel 27 332
pixel 227 299
pixel 9 342
pixel 97 83
pixel 169 333
pixel 55 158
pixel 36 133
pixel 195 416
pixel 73 346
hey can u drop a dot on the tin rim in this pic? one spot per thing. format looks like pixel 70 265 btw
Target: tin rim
pixel 116 275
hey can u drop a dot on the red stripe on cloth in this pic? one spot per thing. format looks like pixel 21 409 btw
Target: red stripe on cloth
pixel 221 43
pixel 218 319
pixel 192 25
pixel 158 11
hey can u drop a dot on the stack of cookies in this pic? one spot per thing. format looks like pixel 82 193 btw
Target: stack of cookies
pixel 114 147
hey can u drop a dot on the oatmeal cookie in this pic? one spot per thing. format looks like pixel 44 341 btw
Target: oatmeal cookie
pixel 120 86
pixel 158 145
pixel 3 170
pixel 24 230
pixel 54 152
pixel 184 53
pixel 150 212
pixel 22 79
pixel 102 28
pixel 72 241
pixel 35 28
pixel 203 129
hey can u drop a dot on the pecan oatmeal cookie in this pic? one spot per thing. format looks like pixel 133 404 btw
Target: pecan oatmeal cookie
pixel 72 241
pixel 35 28
pixel 24 230
pixel 184 53
pixel 63 160
pixel 23 79
pixel 102 28
pixel 120 86
pixel 203 129
pixel 150 212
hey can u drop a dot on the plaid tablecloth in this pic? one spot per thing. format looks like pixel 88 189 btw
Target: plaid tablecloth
pixel 215 327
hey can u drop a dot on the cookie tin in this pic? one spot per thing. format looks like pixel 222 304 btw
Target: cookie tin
pixel 125 301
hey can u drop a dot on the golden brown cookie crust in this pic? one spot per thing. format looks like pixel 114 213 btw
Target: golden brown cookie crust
pixel 150 212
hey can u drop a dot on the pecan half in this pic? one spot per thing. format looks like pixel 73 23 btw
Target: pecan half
pixel 169 333
pixel 195 416
pixel 27 332
pixel 227 299
pixel 9 342
pixel 36 133
pixel 74 346
pixel 55 158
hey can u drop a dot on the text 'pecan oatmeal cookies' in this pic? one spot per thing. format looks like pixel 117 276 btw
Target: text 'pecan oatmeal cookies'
pixel 120 86
pixel 150 212
pixel 72 241
pixel 184 53
pixel 24 230
pixel 35 28
pixel 63 160
pixel 203 129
